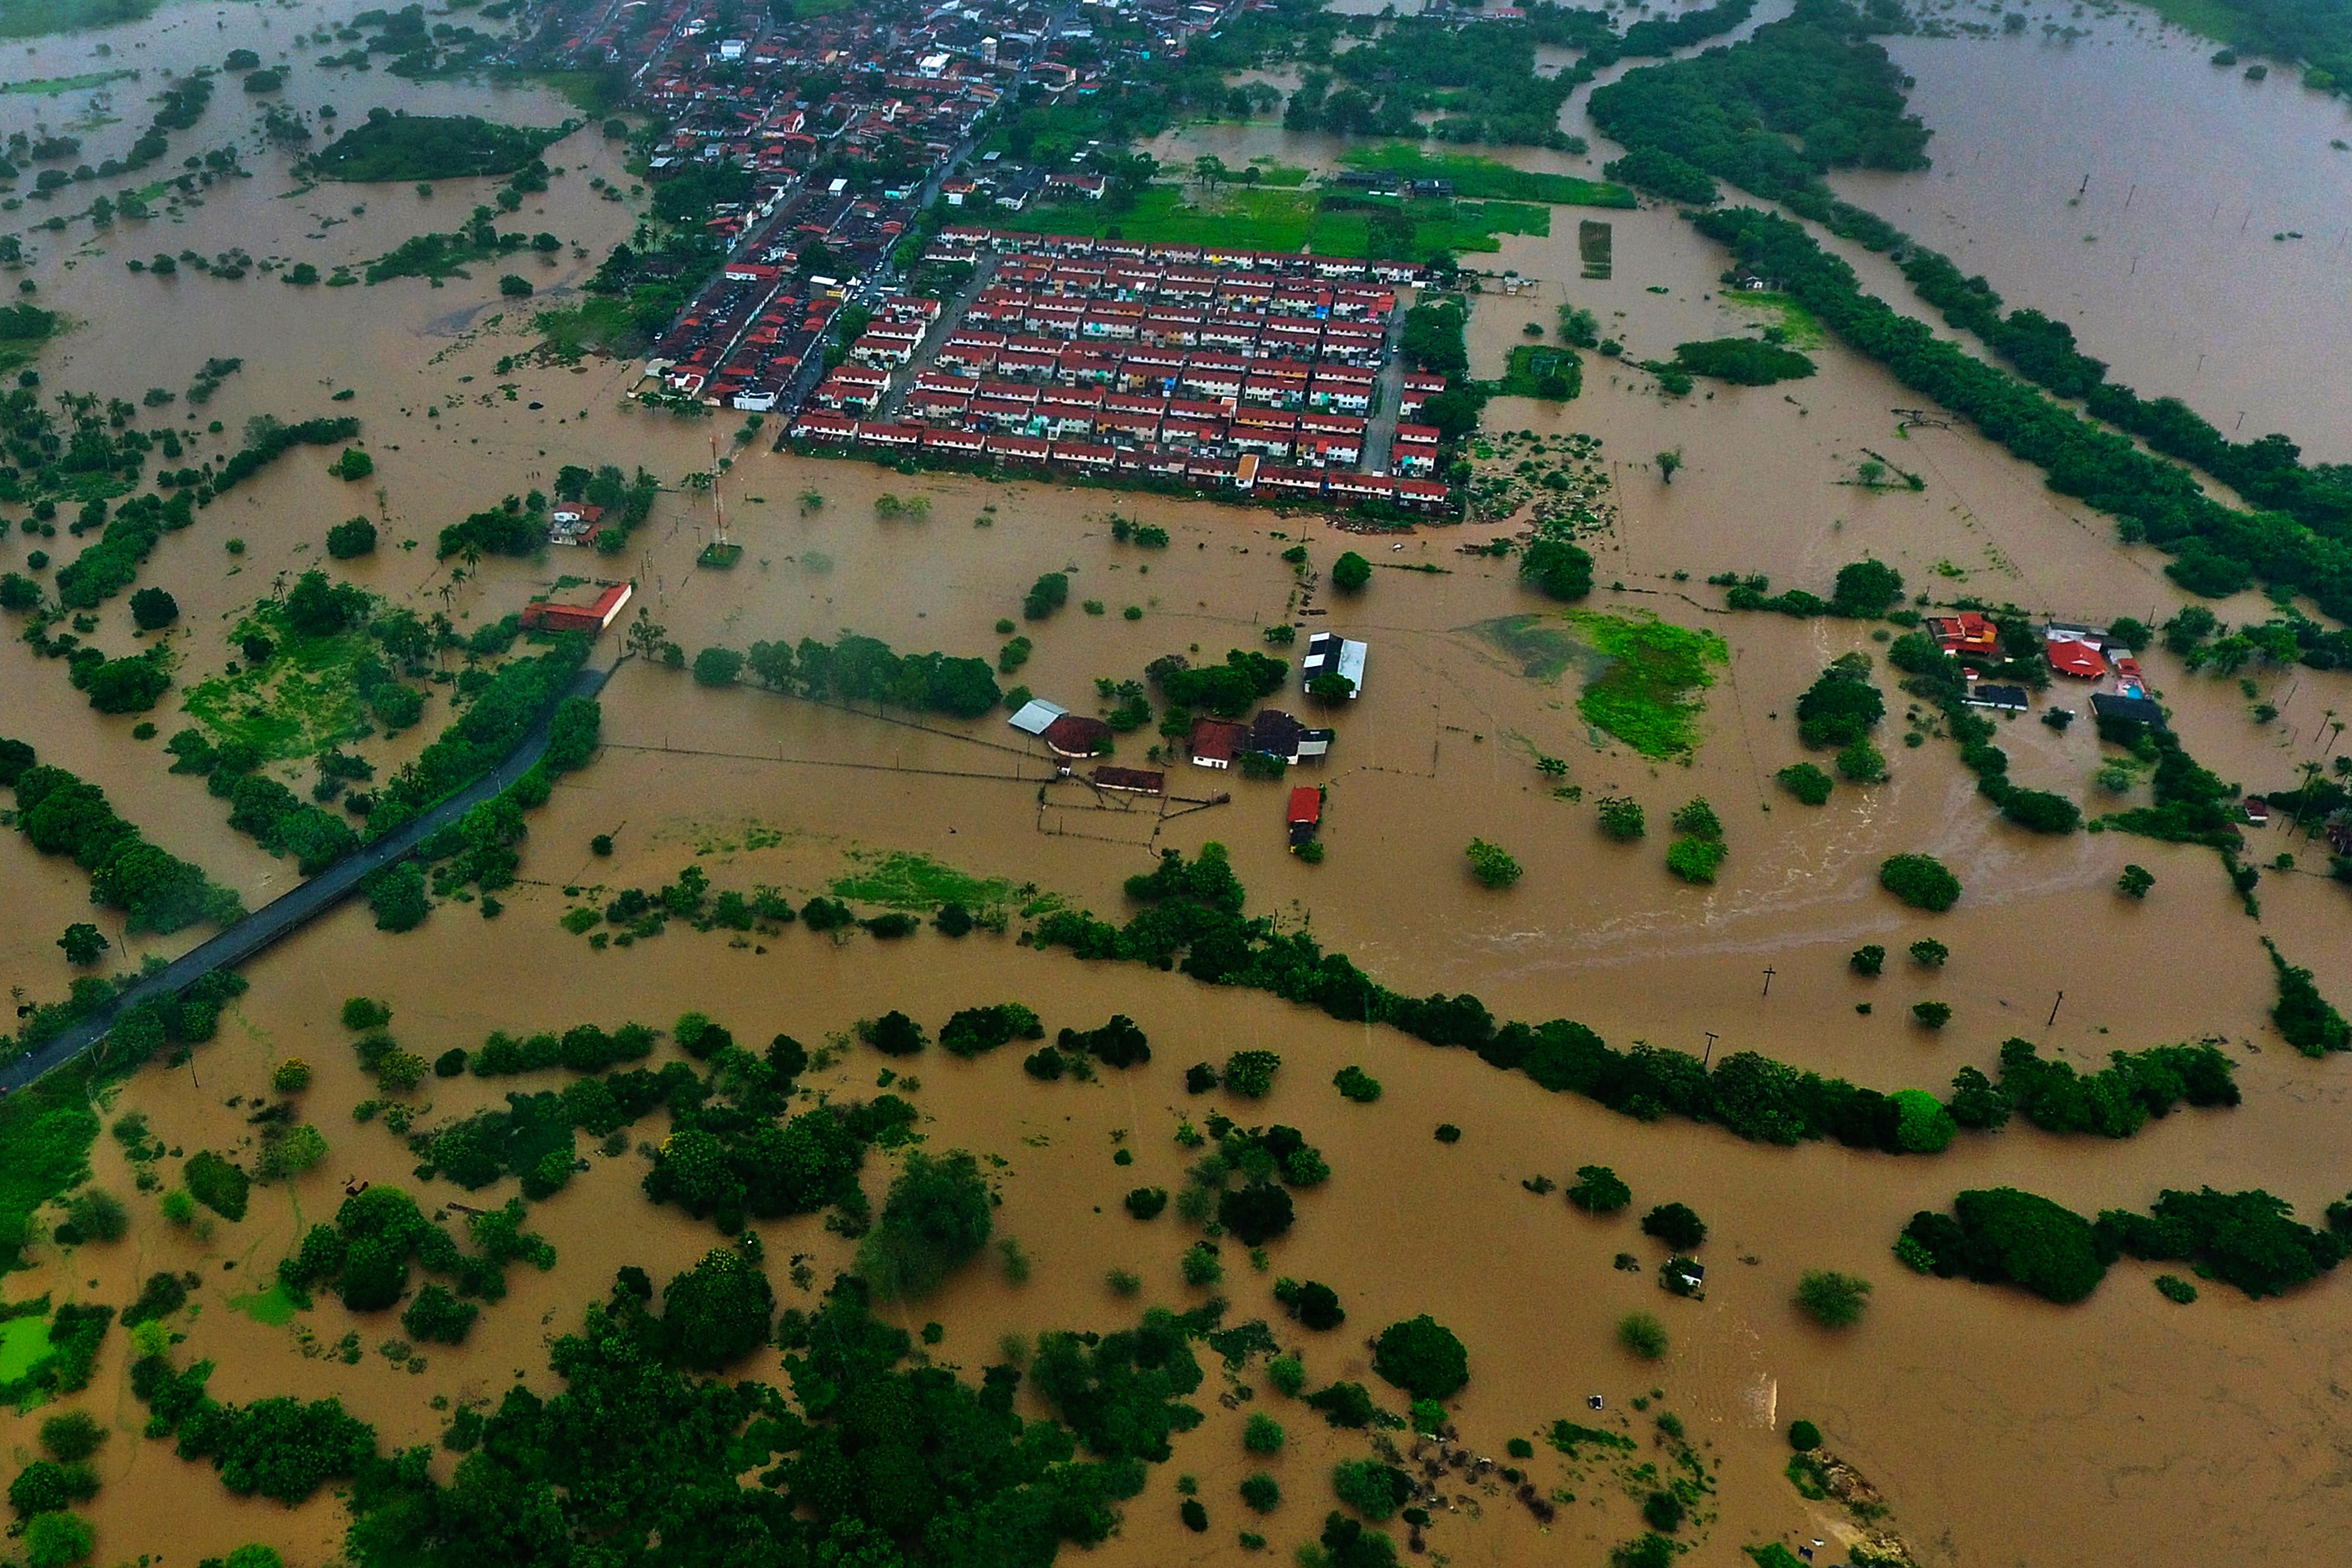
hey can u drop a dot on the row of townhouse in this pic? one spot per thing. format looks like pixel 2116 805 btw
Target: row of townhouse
pixel 1274 263
pixel 1200 285
pixel 1247 473
pixel 1157 325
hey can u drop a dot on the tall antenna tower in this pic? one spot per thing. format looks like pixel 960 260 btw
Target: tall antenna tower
pixel 718 502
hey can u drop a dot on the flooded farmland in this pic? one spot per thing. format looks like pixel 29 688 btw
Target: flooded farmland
pixel 1997 1427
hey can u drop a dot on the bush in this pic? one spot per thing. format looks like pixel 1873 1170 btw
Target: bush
pixel 1833 1299
pixel 1642 1333
pixel 1314 1305
pixel 1422 1357
pixel 1932 1015
pixel 72 1437
pixel 893 1034
pixel 1868 960
pixel 1930 953
pixel 1262 1434
pixel 1599 1190
pixel 1676 1224
pixel 346 541
pixel 45 1484
pixel 1807 782
pixel 96 1215
pixel 1805 1436
pixel 1371 1488
pixel 1145 1203
pixel 1345 1405
pixel 1255 1213
pixel 1250 1074
pixel 1201 1264
pixel 1354 1083
pixel 1621 819
pixel 1557 569
pixel 936 1217
pixel 1492 864
pixel 1695 859
pixel 1351 573
pixel 1923 1125
pixel 213 1182
pixel 1920 881
pixel 1662 1511
pixel 1262 1492
pixel 718 666
pixel 2174 1288
pixel 1861 762
pixel 54 1540
pixel 437 1316
pixel 1287 1373
pixel 2136 881
pixel 153 609
pixel 1195 1516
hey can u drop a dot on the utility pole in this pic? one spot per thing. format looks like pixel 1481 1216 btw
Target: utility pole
pixel 1710 1050
pixel 1769 972
pixel 2054 1009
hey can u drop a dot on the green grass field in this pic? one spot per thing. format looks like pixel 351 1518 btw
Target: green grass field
pixel 306 700
pixel 50 87
pixel 1649 693
pixel 1484 177
pixel 1282 220
pixel 2211 19
pixel 898 880
pixel 33 18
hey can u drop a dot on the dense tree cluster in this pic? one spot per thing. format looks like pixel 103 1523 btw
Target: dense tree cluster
pixel 2249 1239
pixel 2005 1235
pixel 394 146
pixel 1227 689
pixel 365 1256
pixel 856 668
pixel 1191 919
pixel 2308 1020
pixel 63 814
pixel 1772 114
pixel 2115 1101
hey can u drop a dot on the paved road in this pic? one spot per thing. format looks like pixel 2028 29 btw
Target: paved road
pixel 290 911
pixel 1380 434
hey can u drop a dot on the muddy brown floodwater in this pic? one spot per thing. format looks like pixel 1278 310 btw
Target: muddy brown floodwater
pixel 2000 1428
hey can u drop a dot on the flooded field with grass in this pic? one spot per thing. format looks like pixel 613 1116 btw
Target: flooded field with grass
pixel 1998 1427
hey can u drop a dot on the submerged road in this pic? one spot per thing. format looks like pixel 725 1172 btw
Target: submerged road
pixel 290 911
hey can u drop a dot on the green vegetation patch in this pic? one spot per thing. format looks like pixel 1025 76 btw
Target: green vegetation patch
pixel 51 87
pixel 33 18
pixel 1260 217
pixel 46 1129
pixel 1648 696
pixel 898 880
pixel 1484 177
pixel 1800 328
pixel 275 1307
pixel 389 146
pixel 302 700
pixel 24 1345
pixel 595 325
pixel 1543 369
pixel 1642 676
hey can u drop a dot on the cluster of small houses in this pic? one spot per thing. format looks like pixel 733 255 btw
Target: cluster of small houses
pixel 1213 743
pixel 897 90
pixel 1218 370
pixel 2086 654
pixel 2076 652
